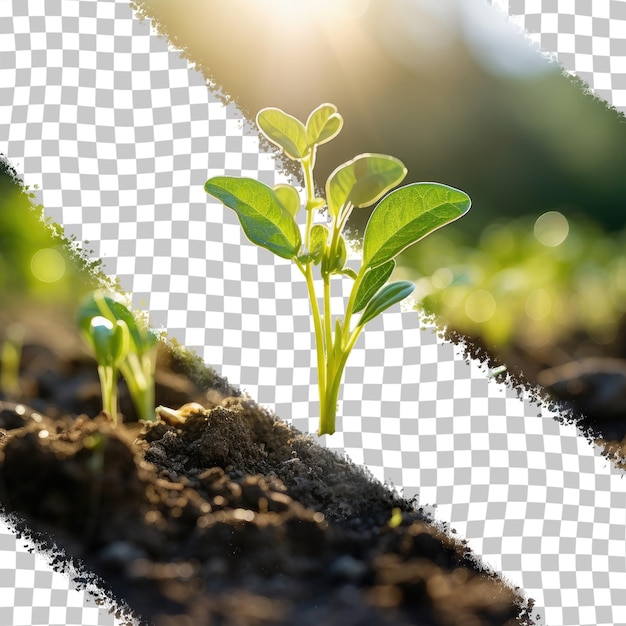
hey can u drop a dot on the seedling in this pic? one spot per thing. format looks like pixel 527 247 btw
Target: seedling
pixel 138 363
pixel 109 341
pixel 401 218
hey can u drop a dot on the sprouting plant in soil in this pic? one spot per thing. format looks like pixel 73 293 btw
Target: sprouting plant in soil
pixel 120 340
pixel 403 217
pixel 109 342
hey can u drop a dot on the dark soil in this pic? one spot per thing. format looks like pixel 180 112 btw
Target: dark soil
pixel 230 518
pixel 583 382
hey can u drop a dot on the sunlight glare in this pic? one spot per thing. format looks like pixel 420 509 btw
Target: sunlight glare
pixel 321 10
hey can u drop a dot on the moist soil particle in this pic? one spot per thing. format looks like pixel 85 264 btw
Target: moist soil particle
pixel 230 517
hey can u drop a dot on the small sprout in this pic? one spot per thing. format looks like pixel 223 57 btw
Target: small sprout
pixel 109 342
pixel 401 218
pixel 10 358
pixel 139 363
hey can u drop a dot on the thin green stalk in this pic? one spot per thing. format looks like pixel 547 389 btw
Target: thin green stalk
pixel 351 299
pixel 108 385
pixel 138 373
pixel 329 371
pixel 328 328
pixel 307 168
pixel 329 406
pixel 319 337
pixel 320 343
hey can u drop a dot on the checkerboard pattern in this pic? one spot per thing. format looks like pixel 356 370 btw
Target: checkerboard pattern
pixel 120 135
pixel 31 592
pixel 587 37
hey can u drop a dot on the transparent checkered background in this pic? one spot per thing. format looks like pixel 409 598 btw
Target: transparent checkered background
pixel 120 136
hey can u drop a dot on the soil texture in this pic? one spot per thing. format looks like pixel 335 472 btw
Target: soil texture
pixel 226 516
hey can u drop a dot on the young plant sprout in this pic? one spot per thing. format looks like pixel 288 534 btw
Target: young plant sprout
pixel 109 341
pixel 138 364
pixel 401 218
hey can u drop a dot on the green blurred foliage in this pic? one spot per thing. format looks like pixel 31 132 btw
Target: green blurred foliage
pixel 36 261
pixel 534 281
pixel 411 84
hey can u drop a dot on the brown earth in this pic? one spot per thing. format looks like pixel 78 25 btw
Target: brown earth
pixel 581 381
pixel 229 518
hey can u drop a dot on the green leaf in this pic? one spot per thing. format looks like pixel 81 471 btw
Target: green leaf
pixel 141 338
pixel 316 203
pixel 323 124
pixel 116 311
pixel 99 334
pixel 338 344
pixel 335 265
pixel 263 218
pixel 373 280
pixel 289 197
pixel 342 255
pixel 407 215
pixel 120 342
pixel 386 297
pixel 348 271
pixel 362 181
pixel 108 339
pixel 319 241
pixel 285 131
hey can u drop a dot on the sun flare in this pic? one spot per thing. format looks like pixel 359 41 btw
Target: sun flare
pixel 319 10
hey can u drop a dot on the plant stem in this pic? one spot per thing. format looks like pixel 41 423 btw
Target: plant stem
pixel 321 345
pixel 317 325
pixel 307 168
pixel 139 375
pixel 331 359
pixel 108 385
pixel 328 411
pixel 334 376
pixel 147 411
pixel 352 298
pixel 328 328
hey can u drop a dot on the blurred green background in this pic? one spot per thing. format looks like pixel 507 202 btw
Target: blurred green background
pixel 536 272
pixel 447 86
pixel 39 266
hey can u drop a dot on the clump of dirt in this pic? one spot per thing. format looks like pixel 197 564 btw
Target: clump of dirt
pixel 204 519
pixel 230 517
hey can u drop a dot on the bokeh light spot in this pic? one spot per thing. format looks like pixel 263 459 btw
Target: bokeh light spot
pixel 538 305
pixel 442 278
pixel 47 265
pixel 551 229
pixel 480 306
pixel 498 238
